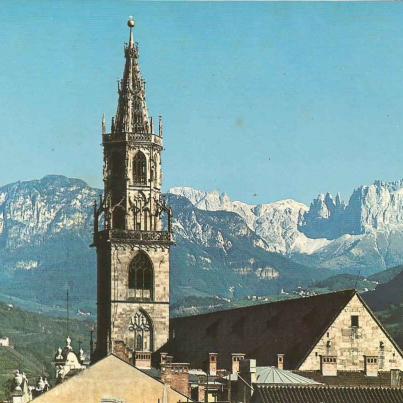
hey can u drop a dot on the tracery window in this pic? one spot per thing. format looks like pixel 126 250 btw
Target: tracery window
pixel 141 326
pixel 140 169
pixel 141 277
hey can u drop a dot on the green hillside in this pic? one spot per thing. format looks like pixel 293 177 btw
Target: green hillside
pixel 35 339
pixel 386 275
pixel 344 282
pixel 10 360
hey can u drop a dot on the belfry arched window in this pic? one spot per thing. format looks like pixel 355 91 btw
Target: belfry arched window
pixel 140 169
pixel 141 277
pixel 141 326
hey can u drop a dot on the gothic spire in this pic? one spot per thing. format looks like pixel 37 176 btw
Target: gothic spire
pixel 132 114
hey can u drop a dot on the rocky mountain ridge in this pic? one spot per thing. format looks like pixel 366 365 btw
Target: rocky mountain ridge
pixel 363 234
pixel 224 248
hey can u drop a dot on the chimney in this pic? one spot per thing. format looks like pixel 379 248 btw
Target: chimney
pixel 212 364
pixel 142 359
pixel 163 358
pixel 280 361
pixel 235 358
pixel 177 376
pixel 371 365
pixel 395 378
pixel 328 365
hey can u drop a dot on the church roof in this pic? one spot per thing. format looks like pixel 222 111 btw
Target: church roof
pixel 274 375
pixel 328 394
pixel 290 327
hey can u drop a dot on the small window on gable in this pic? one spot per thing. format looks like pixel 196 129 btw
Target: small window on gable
pixel 354 321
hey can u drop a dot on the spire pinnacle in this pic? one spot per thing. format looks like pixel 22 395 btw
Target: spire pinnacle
pixel 130 24
pixel 103 124
pixel 132 113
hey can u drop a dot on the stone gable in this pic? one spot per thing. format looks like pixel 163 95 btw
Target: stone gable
pixel 350 344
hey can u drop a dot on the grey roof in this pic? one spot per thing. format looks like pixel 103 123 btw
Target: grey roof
pixel 328 394
pixel 274 375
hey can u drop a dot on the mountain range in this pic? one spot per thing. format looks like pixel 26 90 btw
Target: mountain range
pixel 224 249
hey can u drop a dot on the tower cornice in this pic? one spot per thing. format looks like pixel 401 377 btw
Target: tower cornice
pixel 133 139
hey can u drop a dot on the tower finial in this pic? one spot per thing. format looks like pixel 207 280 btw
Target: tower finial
pixel 130 24
pixel 103 124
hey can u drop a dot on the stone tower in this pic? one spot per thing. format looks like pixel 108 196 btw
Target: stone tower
pixel 132 227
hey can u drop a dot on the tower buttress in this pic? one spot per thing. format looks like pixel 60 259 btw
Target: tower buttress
pixel 133 241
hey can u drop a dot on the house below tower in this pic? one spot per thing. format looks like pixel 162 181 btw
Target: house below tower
pixel 321 337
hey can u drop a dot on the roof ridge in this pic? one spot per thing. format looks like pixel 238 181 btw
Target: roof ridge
pixel 351 290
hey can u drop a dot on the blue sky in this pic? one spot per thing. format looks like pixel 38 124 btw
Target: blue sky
pixel 264 101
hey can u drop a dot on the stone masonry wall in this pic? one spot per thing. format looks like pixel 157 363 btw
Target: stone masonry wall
pixel 351 345
pixel 123 308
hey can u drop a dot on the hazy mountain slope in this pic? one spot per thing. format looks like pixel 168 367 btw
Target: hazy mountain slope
pixel 384 295
pixel 45 232
pixel 360 283
pixel 218 251
pixel 46 228
pixel 387 275
pixel 223 248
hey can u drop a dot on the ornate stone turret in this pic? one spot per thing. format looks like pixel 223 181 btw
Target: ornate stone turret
pixel 132 226
pixel 21 392
pixel 67 362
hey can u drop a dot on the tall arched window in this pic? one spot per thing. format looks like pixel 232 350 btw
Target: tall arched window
pixel 140 169
pixel 141 326
pixel 141 276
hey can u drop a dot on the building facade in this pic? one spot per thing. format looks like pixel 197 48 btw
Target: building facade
pixel 132 227
pixel 355 341
pixel 337 334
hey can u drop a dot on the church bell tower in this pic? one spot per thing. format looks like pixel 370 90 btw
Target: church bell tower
pixel 132 227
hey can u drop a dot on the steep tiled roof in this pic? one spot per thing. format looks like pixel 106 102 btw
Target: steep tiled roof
pixel 328 394
pixel 290 327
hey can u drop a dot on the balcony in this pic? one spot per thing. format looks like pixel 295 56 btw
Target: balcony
pixel 135 235
pixel 132 137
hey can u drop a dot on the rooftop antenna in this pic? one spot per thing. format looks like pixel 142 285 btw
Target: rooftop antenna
pixel 67 312
pixel 356 279
pixel 91 343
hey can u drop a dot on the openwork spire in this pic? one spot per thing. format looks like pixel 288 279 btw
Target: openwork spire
pixel 132 114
